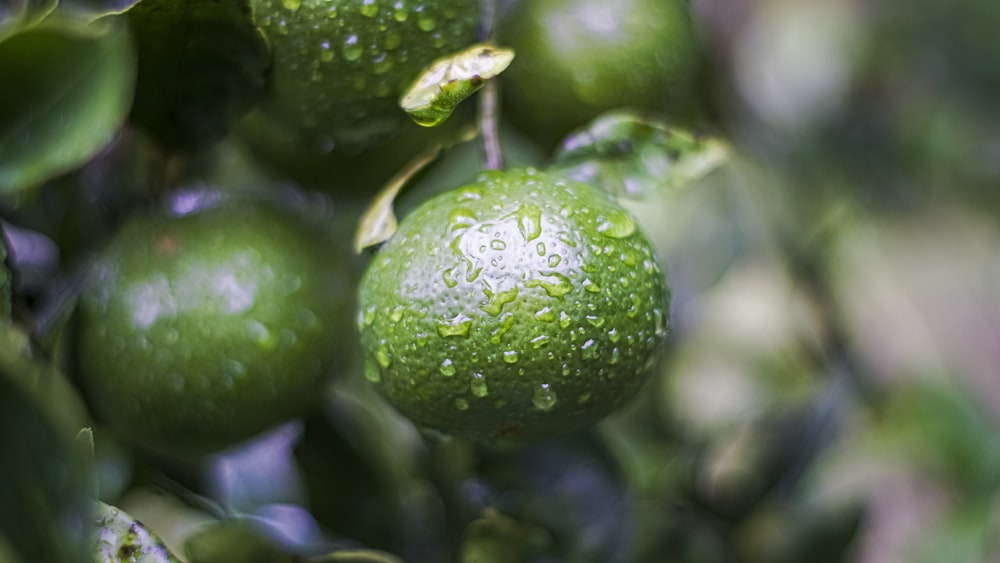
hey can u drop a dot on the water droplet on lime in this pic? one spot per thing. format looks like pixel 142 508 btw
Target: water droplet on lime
pixel 511 356
pixel 544 398
pixel 459 325
pixel 447 368
pixel 478 385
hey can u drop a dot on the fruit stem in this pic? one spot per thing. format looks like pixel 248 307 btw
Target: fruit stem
pixel 489 97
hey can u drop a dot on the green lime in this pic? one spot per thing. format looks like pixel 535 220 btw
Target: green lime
pixel 340 66
pixel 518 307
pixel 200 330
pixel 578 58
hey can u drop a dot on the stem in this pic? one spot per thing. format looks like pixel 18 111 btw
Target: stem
pixel 489 98
pixel 489 126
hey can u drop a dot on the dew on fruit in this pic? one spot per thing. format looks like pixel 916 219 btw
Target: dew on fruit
pixel 539 341
pixel 497 244
pixel 613 335
pixel 591 286
pixel 566 239
pixel 469 194
pixel 382 356
pixel 448 276
pixel 505 324
pixel 399 12
pixel 544 398
pixel 540 248
pixel 529 221
pixel 460 218
pixel 565 369
pixel 564 320
pixel 396 314
pixel 426 23
pixel 545 314
pixel 352 50
pixel 260 334
pixel 633 309
pixel 292 5
pixel 447 368
pixel 459 325
pixel 554 284
pixel 595 321
pixel 589 350
pixel 369 8
pixel 511 356
pixel 461 404
pixel 478 385
pixel 616 225
pixel 496 300
pixel 554 260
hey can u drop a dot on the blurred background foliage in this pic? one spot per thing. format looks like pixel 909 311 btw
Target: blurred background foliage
pixel 831 391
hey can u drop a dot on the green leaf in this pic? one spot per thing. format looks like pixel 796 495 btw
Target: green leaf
pixel 119 537
pixel 23 14
pixel 378 222
pixel 43 479
pixel 202 66
pixel 67 90
pixel 632 156
pixel 448 81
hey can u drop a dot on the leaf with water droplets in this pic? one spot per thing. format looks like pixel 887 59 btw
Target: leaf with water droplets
pixel 119 537
pixel 632 156
pixel 448 81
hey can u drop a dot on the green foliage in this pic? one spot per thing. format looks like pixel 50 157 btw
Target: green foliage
pixel 202 66
pixel 72 86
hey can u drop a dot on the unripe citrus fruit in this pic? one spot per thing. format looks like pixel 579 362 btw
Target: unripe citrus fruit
pixel 200 330
pixel 340 66
pixel 578 58
pixel 518 307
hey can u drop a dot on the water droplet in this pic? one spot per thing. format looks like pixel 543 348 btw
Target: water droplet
pixel 397 313
pixel 382 356
pixel 566 239
pixel 546 314
pixel 497 244
pixel 399 12
pixel 583 398
pixel 589 350
pixel 461 404
pixel 448 276
pixel 511 356
pixel 352 49
pixel 369 8
pixel 426 23
pixel 540 248
pixel 496 300
pixel 556 285
pixel 469 194
pixel 368 317
pixel 460 218
pixel 591 286
pixel 544 398
pixel 447 368
pixel 554 260
pixel 260 334
pixel 613 335
pixel 616 356
pixel 633 309
pixel 539 341
pixel 529 221
pixel 506 323
pixel 564 320
pixel 458 325
pixel 565 369
pixel 478 385
pixel 616 225
pixel 291 4
pixel 372 372
pixel 595 321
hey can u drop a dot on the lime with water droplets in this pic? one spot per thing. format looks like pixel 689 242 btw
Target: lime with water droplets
pixel 519 307
pixel 200 330
pixel 340 66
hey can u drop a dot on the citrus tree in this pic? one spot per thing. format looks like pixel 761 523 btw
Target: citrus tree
pixel 498 281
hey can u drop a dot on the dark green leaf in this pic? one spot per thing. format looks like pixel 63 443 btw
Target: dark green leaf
pixel 43 478
pixel 119 537
pixel 202 66
pixel 632 156
pixel 67 90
